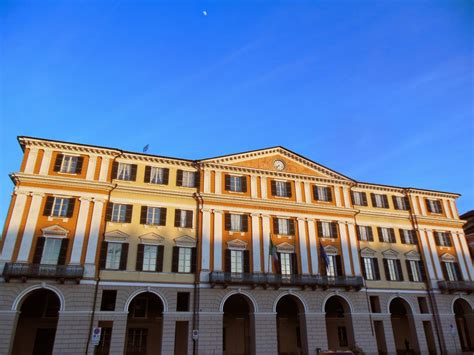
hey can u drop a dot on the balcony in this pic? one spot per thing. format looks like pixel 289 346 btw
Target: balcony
pixel 277 280
pixel 38 271
pixel 456 286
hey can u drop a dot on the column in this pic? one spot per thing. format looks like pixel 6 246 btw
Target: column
pixel 414 203
pixel 467 255
pixel 46 162
pixel 93 237
pixel 345 249
pixel 347 197
pixel 299 197
pixel 91 167
pixel 8 323
pixel 303 246
pixel 210 333
pixel 26 241
pixel 313 248
pixel 457 247
pixel 454 209
pixel 354 249
pixel 256 243
pixel 422 206
pixel 266 337
pixel 426 255
pixel 207 181
pixel 337 195
pixel 316 331
pixel 447 209
pixel 104 169
pixel 253 186
pixel 205 244
pixel 263 186
pixel 13 228
pixel 266 241
pixel 31 160
pixel 307 192
pixel 218 183
pixel 80 230
pixel 434 254
pixel 218 240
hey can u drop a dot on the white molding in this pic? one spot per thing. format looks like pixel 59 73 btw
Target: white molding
pixel 345 249
pixel 354 249
pixel 390 254
pixel 30 226
pixel 303 246
pixel 236 244
pixel 206 240
pixel 368 253
pixel 45 162
pixel 412 255
pixel 13 227
pixel 185 241
pixel 285 247
pixel 91 166
pixel 218 217
pixel 434 255
pixel 94 232
pixel 457 247
pixel 152 238
pixel 31 160
pixel 256 243
pixel 253 186
pixel 17 303
pixel 54 231
pixel 218 182
pixel 104 169
pixel 266 241
pixel 313 248
pixel 263 187
pixel 299 198
pixel 150 290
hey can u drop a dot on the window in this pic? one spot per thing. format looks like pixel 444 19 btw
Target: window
pixel 386 235
pixel 375 304
pixel 322 193
pixel 332 266
pixel 149 257
pixel 119 213
pixel 184 260
pixel 365 233
pixel 114 251
pixel 236 262
pixel 401 203
pixel 51 249
pixel 423 305
pixel 157 175
pixel 60 207
pixel 109 298
pixel 235 183
pixel 137 340
pixel 105 338
pixel 283 226
pixel 285 262
pixel 236 222
pixel 415 270
pixel 124 171
pixel 182 302
pixel 451 271
pixel 434 206
pixel 281 188
pixel 183 219
pixel 379 201
pixel 154 216
pixel 442 239
pixel 371 268
pixel 408 236
pixel 359 198
pixel 327 230
pixel 68 164
pixel 393 270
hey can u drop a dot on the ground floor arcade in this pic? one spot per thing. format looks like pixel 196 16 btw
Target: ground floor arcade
pixel 47 318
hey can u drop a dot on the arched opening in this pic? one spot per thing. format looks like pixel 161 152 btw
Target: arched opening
pixel 465 324
pixel 404 331
pixel 36 327
pixel 291 326
pixel 339 324
pixel 238 328
pixel 144 325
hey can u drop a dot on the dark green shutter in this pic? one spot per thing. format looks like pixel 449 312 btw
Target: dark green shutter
pixel 372 197
pixel 227 182
pixel 58 162
pixel 329 194
pixel 163 216
pixel 364 198
pixel 409 269
pixel 103 255
pixel 123 257
pixel 108 214
pixel 294 264
pixel 333 230
pixel 114 170
pixel 400 271
pixel 422 270
pixel 291 226
pixel 320 229
pixel 159 258
pixel 140 253
pixel 245 223
pixel 166 176
pixel 133 175
pixel 227 224
pixel 63 251
pixel 376 268
pixel 246 261
pixel 364 269
pixel 288 189
pixel 243 183
pixel 175 261
pixel 177 217
pixel 273 187
pixel 392 235
pixel 48 206
pixel 370 234
pixel 70 207
pixel 197 179
pixel 275 226
pixel 379 232
pixel 385 201
pixel 128 213
pixel 147 174
pixel 179 177
pixel 193 259
pixel 38 250
pixel 315 193
pixel 339 270
pixel 395 205
pixel 387 273
pixel 227 261
pixel 352 197
pixel 79 163
pixel 189 219
pixel 143 214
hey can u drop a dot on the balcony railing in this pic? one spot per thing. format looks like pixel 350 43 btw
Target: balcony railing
pixel 25 271
pixel 452 286
pixel 277 280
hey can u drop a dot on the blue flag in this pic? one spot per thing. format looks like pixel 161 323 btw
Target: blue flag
pixel 324 256
pixel 145 148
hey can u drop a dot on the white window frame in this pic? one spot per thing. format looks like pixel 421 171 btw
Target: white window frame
pixel 69 164
pixel 114 253
pixel 285 262
pixel 157 175
pixel 443 239
pixel 184 259
pixel 51 251
pixel 235 183
pixel 236 261
pixel 415 270
pixel 124 171
pixel 331 268
pixel 280 188
pixel 283 226
pixel 392 270
pixel 150 254
pixel 369 268
pixel 434 206
pixel 358 200
pixel 119 213
pixel 189 179
pixel 451 271
pixel 379 203
pixel 153 215
pixel 236 222
pixel 408 237
pixel 385 234
pixel 364 233
pixel 60 207
pixel 323 193
pixel 183 217
pixel 400 201
pixel 326 229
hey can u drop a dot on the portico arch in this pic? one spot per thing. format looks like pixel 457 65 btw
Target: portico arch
pixel 464 317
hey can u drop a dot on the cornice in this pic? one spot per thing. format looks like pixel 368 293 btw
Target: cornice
pixel 28 142
pixel 19 178
pixel 146 191
pixel 156 159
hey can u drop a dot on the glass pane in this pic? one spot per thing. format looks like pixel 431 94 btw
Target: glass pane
pixel 51 250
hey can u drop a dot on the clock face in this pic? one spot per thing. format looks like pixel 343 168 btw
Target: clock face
pixel 279 164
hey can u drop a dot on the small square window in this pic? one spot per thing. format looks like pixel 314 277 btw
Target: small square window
pixel 423 305
pixel 182 302
pixel 375 304
pixel 108 300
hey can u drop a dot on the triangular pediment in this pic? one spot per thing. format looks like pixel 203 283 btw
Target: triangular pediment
pixel 278 159
pixel 331 250
pixel 152 238
pixel 285 248
pixel 390 254
pixel 185 241
pixel 412 255
pixel 447 257
pixel 237 244
pixel 116 235
pixel 367 252
pixel 54 231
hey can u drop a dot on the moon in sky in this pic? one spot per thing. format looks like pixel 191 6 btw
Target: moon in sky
pixel 204 13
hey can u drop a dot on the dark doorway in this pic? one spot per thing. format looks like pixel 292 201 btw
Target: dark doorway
pixel 339 330
pixel 464 323
pixel 238 327
pixel 291 326
pixel 404 331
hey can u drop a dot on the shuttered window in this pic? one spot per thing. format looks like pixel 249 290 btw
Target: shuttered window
pixel 415 270
pixel 369 269
pixel 408 236
pixel 434 206
pixel 327 230
pixel 149 257
pixel 322 193
pixel 359 198
pixel 114 251
pixel 51 249
pixel 155 216
pixel 60 207
pixel 157 175
pixel 365 233
pixel 68 164
pixel 332 266
pixel 184 260
pixel 281 188
pixel 401 203
pixel 183 218
pixel 386 235
pixel 393 270
pixel 236 261
pixel 124 171
pixel 379 201
pixel 235 183
pixel 188 179
pixel 451 271
pixel 442 239
pixel 119 213
pixel 285 263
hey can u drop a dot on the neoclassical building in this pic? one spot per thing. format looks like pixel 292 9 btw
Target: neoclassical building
pixel 262 252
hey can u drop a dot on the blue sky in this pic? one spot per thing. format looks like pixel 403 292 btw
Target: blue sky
pixel 380 91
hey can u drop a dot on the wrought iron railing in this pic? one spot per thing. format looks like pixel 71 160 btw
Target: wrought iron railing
pixel 43 271
pixel 278 280
pixel 450 286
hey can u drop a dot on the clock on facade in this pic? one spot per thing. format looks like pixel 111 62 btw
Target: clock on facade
pixel 279 164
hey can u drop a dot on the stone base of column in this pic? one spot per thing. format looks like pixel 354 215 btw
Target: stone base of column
pixel 266 337
pixel 8 321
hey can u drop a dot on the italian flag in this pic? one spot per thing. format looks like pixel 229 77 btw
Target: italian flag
pixel 274 256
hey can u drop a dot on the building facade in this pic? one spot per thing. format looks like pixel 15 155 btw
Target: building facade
pixel 261 252
pixel 469 229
